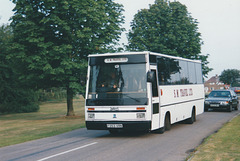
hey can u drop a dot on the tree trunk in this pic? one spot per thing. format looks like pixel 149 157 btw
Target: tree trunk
pixel 70 111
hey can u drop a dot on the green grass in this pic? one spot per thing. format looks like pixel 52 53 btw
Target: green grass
pixel 50 120
pixel 221 146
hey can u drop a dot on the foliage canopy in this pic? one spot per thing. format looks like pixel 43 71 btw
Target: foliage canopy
pixel 167 28
pixel 14 96
pixel 52 39
pixel 231 76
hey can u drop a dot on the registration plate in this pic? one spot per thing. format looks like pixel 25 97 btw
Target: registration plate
pixel 114 125
pixel 214 105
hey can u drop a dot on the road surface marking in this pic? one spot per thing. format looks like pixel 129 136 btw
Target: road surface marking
pixel 84 146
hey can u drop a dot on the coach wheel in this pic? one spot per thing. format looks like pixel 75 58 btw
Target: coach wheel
pixel 192 119
pixel 167 122
pixel 167 125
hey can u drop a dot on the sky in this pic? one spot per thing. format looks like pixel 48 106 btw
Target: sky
pixel 219 25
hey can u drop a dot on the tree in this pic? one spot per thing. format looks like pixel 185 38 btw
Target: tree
pixel 230 76
pixel 167 27
pixel 52 39
pixel 13 97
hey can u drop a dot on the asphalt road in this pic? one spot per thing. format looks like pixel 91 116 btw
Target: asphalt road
pixel 82 144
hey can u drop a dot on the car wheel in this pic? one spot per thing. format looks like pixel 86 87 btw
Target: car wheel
pixel 236 108
pixel 205 109
pixel 230 108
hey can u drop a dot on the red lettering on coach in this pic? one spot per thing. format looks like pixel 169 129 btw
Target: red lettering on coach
pixel 183 92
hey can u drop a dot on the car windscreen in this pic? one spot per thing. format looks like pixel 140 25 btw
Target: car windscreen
pixel 220 94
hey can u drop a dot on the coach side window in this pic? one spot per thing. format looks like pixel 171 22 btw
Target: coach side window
pixel 199 73
pixel 172 71
pixel 184 72
pixel 192 73
pixel 175 71
pixel 163 71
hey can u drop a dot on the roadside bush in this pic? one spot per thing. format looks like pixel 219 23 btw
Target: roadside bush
pixel 18 101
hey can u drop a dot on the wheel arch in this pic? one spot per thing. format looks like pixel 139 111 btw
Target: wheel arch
pixel 195 109
pixel 168 114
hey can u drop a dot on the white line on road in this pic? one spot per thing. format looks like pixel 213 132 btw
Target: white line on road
pixel 84 146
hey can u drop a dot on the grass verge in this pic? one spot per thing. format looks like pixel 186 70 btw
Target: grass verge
pixel 49 121
pixel 221 146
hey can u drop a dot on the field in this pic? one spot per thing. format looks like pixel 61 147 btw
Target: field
pixel 50 120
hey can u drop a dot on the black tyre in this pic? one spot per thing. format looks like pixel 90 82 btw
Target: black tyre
pixel 206 109
pixel 230 108
pixel 192 119
pixel 161 130
pixel 167 125
pixel 236 108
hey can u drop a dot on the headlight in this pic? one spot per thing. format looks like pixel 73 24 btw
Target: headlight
pixel 207 102
pixel 140 115
pixel 92 96
pixel 91 115
pixel 224 103
pixel 89 96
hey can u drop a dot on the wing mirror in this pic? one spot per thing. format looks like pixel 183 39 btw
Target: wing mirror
pixel 150 76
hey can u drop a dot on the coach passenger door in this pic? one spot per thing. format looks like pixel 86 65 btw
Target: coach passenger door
pixel 155 99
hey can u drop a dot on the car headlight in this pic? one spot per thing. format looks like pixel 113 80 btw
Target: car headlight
pixel 207 102
pixel 224 103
